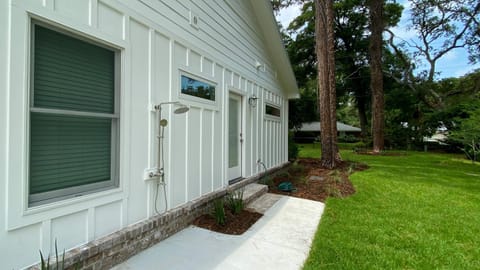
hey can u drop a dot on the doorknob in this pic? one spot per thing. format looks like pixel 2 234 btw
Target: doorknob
pixel 241 138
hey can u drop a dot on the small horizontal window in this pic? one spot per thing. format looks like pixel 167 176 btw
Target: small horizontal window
pixel 196 88
pixel 273 111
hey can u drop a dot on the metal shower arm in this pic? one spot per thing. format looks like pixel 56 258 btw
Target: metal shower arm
pixel 159 106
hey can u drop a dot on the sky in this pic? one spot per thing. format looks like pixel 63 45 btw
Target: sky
pixel 454 64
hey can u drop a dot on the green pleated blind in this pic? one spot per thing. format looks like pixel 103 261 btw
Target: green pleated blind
pixel 68 151
pixel 71 74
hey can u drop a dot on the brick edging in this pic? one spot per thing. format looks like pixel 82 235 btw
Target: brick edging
pixel 117 247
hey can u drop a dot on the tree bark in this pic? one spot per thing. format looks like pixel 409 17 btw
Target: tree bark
pixel 376 82
pixel 326 82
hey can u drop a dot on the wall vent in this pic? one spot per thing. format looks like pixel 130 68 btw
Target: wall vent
pixel 194 20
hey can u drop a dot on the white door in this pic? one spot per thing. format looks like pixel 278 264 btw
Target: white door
pixel 235 139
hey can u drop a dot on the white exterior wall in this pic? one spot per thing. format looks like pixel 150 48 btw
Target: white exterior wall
pixel 156 43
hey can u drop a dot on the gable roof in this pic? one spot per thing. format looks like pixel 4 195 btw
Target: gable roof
pixel 315 127
pixel 268 24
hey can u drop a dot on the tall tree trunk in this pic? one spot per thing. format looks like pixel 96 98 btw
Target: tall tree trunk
pixel 376 81
pixel 326 82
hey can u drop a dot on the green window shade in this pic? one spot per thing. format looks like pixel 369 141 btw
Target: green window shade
pixel 73 117
pixel 68 151
pixel 71 74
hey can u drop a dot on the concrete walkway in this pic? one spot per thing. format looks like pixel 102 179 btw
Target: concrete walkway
pixel 281 239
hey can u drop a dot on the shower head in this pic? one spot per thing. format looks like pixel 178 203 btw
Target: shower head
pixel 181 109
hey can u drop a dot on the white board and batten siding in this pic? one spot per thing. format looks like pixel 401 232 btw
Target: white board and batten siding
pixel 157 43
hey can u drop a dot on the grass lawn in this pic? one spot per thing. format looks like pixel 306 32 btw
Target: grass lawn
pixel 415 211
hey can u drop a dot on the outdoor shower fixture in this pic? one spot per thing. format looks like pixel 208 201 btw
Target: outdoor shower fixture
pixel 160 171
pixel 162 124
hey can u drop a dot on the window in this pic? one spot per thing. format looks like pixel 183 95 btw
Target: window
pixel 272 111
pixel 196 88
pixel 74 118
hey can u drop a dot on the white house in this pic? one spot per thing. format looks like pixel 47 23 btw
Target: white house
pixel 310 131
pixel 84 85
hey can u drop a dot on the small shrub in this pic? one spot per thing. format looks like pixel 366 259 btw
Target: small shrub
pixel 235 201
pixel 59 265
pixel 266 180
pixel 351 168
pixel 219 211
pixel 296 169
pixel 283 174
pixel 333 191
pixel 336 176
pixel 301 179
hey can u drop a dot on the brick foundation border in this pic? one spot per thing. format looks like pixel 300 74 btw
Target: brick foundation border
pixel 117 247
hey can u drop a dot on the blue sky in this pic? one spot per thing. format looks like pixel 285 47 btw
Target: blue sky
pixel 454 64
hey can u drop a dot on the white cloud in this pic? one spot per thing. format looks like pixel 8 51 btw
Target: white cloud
pixel 451 55
pixel 286 15
pixel 403 33
pixel 402 30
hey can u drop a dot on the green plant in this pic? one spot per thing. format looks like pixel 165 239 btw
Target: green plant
pixel 292 147
pixel 219 211
pixel 301 179
pixel 336 176
pixel 235 201
pixel 283 174
pixel 59 265
pixel 296 169
pixel 351 168
pixel 333 191
pixel 266 180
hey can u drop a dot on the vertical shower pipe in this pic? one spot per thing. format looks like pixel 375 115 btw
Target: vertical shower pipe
pixel 160 155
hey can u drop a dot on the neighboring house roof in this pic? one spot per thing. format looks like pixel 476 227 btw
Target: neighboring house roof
pixel 268 24
pixel 439 137
pixel 315 127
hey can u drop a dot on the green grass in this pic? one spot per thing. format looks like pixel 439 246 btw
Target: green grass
pixel 415 211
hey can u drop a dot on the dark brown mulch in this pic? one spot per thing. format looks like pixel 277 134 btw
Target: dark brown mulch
pixel 315 182
pixel 328 183
pixel 234 224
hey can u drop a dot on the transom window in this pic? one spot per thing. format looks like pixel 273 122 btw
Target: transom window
pixel 272 111
pixel 74 116
pixel 197 88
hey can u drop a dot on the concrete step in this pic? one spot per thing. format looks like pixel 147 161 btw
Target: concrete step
pixel 253 191
pixel 263 203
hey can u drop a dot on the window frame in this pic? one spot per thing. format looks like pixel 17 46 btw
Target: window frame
pixel 275 117
pixel 75 191
pixel 212 104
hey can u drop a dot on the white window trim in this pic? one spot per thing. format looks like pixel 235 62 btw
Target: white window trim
pixel 77 191
pixel 193 100
pixel 269 116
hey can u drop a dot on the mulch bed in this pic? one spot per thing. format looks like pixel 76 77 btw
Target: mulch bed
pixel 311 181
pixel 234 224
pixel 314 182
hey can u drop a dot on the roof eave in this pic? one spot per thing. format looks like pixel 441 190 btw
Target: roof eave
pixel 268 24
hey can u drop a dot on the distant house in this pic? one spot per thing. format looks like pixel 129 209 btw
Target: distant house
pixel 440 135
pixel 309 132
